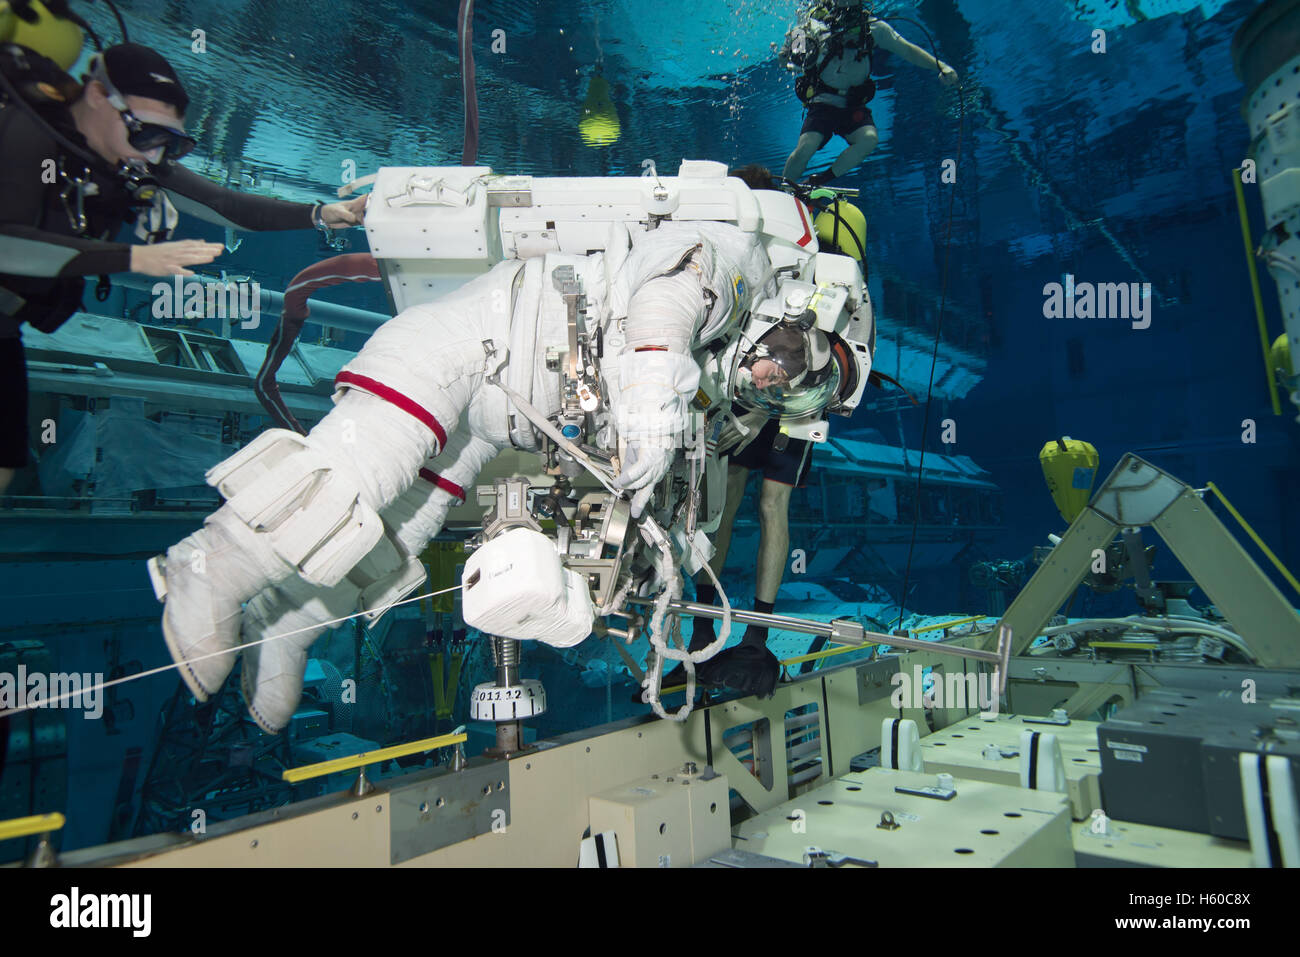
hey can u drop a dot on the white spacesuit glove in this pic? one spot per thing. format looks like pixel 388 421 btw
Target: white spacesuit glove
pixel 652 416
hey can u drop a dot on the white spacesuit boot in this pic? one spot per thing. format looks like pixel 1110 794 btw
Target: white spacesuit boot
pixel 271 681
pixel 208 575
pixel 272 675
pixel 296 507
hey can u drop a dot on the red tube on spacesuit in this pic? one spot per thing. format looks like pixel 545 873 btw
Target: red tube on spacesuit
pixel 354 267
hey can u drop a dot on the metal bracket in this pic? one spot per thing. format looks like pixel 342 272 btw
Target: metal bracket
pixel 451 807
pixel 508 506
pixel 1136 493
pixel 508 191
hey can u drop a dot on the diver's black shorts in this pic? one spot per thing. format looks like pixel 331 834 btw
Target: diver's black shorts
pixel 789 466
pixel 13 404
pixel 836 120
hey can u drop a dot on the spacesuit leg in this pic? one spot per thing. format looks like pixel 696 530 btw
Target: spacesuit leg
pixel 273 671
pixel 308 507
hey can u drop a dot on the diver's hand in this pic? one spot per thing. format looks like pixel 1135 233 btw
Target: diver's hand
pixel 170 259
pixel 341 215
pixel 947 75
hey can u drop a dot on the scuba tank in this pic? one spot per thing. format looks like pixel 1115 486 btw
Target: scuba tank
pixel 50 28
pixel 842 228
pixel 40 40
pixel 33 78
pixel 47 28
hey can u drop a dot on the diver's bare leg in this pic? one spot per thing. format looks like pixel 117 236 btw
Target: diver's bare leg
pixel 809 143
pixel 862 142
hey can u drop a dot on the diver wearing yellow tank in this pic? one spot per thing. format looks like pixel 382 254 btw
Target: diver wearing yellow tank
pixel 834 44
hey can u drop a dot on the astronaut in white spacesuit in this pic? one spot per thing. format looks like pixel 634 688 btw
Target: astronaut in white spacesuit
pixel 314 527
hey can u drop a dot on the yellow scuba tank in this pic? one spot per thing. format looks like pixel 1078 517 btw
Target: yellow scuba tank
pixel 599 125
pixel 48 33
pixel 842 228
pixel 1279 357
pixel 1070 468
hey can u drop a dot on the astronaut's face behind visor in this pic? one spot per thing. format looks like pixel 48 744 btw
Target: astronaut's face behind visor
pixel 788 372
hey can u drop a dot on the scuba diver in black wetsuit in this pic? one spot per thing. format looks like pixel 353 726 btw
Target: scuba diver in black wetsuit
pixel 833 45
pixel 80 160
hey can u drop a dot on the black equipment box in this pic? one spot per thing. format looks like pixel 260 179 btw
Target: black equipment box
pixel 1171 758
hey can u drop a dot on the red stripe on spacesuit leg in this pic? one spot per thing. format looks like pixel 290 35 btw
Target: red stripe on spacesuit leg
pixel 433 478
pixel 407 405
pixel 807 229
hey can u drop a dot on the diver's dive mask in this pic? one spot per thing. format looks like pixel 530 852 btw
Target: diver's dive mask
pixel 788 371
pixel 143 134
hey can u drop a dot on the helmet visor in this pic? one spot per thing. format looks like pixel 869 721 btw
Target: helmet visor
pixel 776 376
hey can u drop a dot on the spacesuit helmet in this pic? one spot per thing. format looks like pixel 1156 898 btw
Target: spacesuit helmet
pixel 788 371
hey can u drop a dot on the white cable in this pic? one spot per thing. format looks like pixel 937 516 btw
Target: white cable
pixel 1172 623
pixel 235 650
pixel 654 535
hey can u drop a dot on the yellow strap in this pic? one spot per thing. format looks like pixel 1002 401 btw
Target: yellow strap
pixel 1255 538
pixel 27 826
pixel 1254 287
pixel 950 624
pixel 439 696
pixel 453 681
pixel 309 771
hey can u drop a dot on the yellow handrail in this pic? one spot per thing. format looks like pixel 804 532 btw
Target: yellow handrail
pixel 844 649
pixel 1254 286
pixel 309 771
pixel 950 624
pixel 798 659
pixel 1254 537
pixel 27 826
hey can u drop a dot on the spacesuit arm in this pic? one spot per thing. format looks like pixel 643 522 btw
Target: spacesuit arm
pixel 657 374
